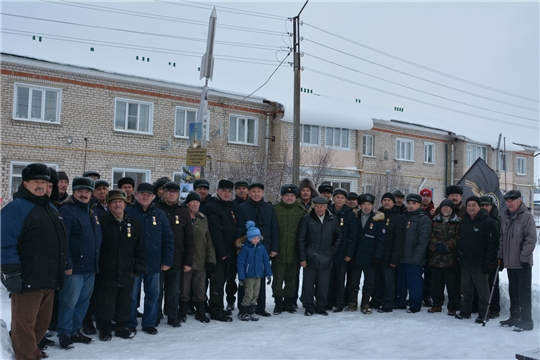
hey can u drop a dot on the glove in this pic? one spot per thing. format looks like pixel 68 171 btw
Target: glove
pixel 525 265
pixel 268 280
pixel 241 283
pixel 501 264
pixel 210 267
pixel 441 248
pixel 13 282
pixel 487 268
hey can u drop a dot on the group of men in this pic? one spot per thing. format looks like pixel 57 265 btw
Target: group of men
pixel 98 247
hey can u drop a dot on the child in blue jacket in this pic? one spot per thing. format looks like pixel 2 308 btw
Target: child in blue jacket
pixel 253 264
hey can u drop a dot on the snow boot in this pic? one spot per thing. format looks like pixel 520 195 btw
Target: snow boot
pixel 105 330
pixel 289 305
pixel 510 322
pixel 251 312
pixel 278 309
pixel 243 313
pixel 80 338
pixel 65 341
pixel 122 331
pixel 523 326
pixel 201 312
pixel 183 311
pixel 353 301
pixel 364 305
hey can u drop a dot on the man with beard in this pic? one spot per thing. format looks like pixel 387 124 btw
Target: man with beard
pixel 84 243
pixel 263 215
pixel 306 193
pixel 34 245
pixel 122 258
pixel 285 264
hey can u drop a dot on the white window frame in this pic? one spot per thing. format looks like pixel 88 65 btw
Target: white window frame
pixel 332 142
pixel 317 141
pixel 471 158
pixel 31 90
pixel 340 184
pixel 405 142
pixel 126 122
pixel 13 187
pixel 249 120
pixel 370 147
pixel 147 175
pixel 186 125
pixel 521 165
pixel 503 161
pixel 427 146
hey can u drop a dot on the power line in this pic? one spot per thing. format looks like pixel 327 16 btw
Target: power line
pixel 272 74
pixel 420 78
pixel 421 91
pixel 422 66
pixel 513 123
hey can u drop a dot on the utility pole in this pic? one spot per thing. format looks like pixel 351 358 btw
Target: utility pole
pixel 296 117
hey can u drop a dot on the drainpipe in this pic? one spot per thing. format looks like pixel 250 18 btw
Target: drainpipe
pixel 422 184
pixel 445 165
pixel 267 134
pixel 452 161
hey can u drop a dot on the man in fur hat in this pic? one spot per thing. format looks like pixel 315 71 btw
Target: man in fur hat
pixel 307 192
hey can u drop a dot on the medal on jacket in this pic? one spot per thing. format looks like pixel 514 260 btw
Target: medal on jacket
pixel 128 230
pixel 177 220
pixel 97 220
pixel 387 222
pixel 371 226
pixel 408 224
pixel 154 220
pixel 234 217
pixel 341 222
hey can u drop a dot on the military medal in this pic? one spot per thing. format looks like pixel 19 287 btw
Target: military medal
pixel 154 220
pixel 97 220
pixel 128 230
pixel 408 224
pixel 177 221
pixel 371 226
pixel 341 222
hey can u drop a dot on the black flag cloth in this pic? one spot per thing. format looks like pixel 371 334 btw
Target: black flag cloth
pixel 481 180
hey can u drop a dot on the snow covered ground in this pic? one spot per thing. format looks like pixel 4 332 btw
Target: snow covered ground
pixel 396 335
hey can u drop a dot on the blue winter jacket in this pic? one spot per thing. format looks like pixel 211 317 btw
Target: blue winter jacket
pixel 158 237
pixel 84 236
pixel 253 261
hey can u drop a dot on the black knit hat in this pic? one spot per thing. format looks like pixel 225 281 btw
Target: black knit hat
pixel 145 187
pixel 126 180
pixel 171 186
pixel 340 191
pixel 201 183
pixel 390 196
pixel 447 202
pixel 91 173
pixel 241 183
pixel 160 182
pixel 80 183
pixel 256 184
pixel 325 188
pixel 398 193
pixel 63 176
pixel 366 198
pixel 101 182
pixel 352 196
pixel 414 197
pixel 55 194
pixel 454 189
pixel 289 189
pixel 474 198
pixel 36 171
pixel 193 195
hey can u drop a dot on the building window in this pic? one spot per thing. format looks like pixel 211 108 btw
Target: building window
pixel 367 145
pixel 133 116
pixel 474 152
pixel 502 161
pixel 185 116
pixel 337 137
pixel 404 149
pixel 521 165
pixel 242 130
pixel 429 153
pixel 136 174
pixel 16 174
pixel 309 134
pixel 37 103
pixel 341 184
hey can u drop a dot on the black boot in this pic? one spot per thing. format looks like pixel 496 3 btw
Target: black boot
pixel 105 330
pixel 191 307
pixel 201 312
pixel 252 315
pixel 289 305
pixel 279 305
pixel 122 331
pixel 243 313
pixel 353 301
pixel 182 313
pixel 80 338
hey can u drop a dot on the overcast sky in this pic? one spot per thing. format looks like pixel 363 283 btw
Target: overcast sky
pixel 468 67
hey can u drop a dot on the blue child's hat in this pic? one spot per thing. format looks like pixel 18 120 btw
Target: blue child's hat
pixel 252 231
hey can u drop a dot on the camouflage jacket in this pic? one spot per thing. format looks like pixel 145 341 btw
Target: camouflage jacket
pixel 443 242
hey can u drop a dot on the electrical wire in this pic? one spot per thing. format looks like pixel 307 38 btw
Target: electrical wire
pixel 420 91
pixel 272 74
pixel 422 66
pixel 420 78
pixel 513 123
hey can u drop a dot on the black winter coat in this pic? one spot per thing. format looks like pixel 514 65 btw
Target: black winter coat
pixel 182 229
pixel 417 235
pixel 370 240
pixel 264 217
pixel 349 228
pixel 122 256
pixel 394 222
pixel 318 242
pixel 478 244
pixel 222 225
